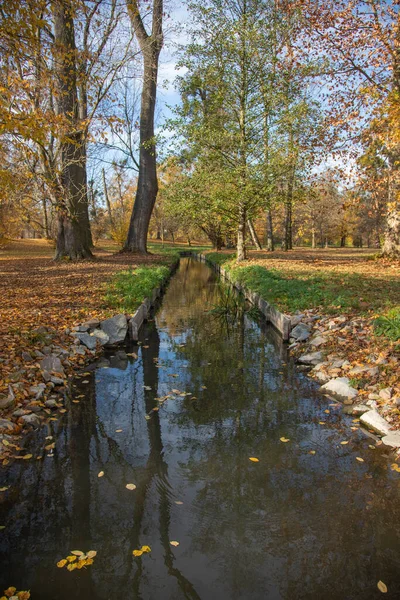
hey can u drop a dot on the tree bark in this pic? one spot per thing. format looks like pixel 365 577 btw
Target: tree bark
pixel 270 232
pixel 254 235
pixel 72 238
pixel 241 235
pixel 147 187
pixel 391 246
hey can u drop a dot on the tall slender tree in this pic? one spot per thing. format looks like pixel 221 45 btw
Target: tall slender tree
pixel 147 188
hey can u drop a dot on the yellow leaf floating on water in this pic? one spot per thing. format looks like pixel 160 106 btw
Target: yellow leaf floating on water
pixel 62 563
pixel 145 549
pixel 71 558
pixel 72 567
pixel 3 489
pixel 382 587
pixel 130 486
pixel 77 552
pixel 27 456
pixel 253 459
pixel 372 447
pixel 137 552
pixel 312 452
pixel 395 467
pixel 23 595
pixel 328 412
pixel 91 554
pixel 118 430
pixel 344 443
pixel 322 422
pixel 359 459
pixel 178 502
pixel 173 543
pixel 10 591
pixel 283 439
pixel 100 474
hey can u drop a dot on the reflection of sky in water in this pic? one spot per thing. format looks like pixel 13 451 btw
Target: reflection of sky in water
pixel 295 525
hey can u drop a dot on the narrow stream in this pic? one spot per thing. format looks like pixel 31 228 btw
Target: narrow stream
pixel 308 520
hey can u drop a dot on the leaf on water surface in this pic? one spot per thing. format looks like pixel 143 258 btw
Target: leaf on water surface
pixel 382 587
pixel 359 459
pixel 27 456
pixel 372 447
pixel 137 552
pixel 312 452
pixel 328 412
pixel 145 549
pixel 253 459
pixel 155 409
pixel 3 489
pixel 23 595
pixel 344 443
pixel 147 417
pixel 10 591
pixel 101 474
pixel 71 558
pixel 86 381
pixel 178 502
pixel 203 387
pixel 283 439
pixel 173 543
pixel 322 423
pixel 91 553
pixel 176 391
pixel 50 446
pixel 2 527
pixel 77 552
pixel 118 430
pixel 395 467
pixel 147 387
pixel 76 401
pixel 72 567
pixel 130 486
pixel 355 420
pixel 354 428
pixel 62 563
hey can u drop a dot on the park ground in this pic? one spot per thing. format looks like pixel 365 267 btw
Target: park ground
pixel 37 292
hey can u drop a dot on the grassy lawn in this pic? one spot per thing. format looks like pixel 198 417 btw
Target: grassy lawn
pixel 335 280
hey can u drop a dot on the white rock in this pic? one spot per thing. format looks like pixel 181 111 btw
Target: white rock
pixel 392 439
pixel 322 377
pixel 359 409
pixel 341 387
pixel 373 420
pixel 311 359
pixel 386 394
pixel 101 336
pixel 301 332
pixel 318 341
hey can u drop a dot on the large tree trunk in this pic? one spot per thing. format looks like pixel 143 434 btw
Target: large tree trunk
pixel 391 246
pixel 73 240
pixel 254 235
pixel 147 187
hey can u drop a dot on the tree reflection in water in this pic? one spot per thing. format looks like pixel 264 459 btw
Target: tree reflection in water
pixel 292 526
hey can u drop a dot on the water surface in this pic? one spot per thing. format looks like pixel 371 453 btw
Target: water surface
pixel 306 521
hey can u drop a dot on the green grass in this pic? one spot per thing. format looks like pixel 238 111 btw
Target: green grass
pixel 332 292
pixel 389 325
pixel 128 289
